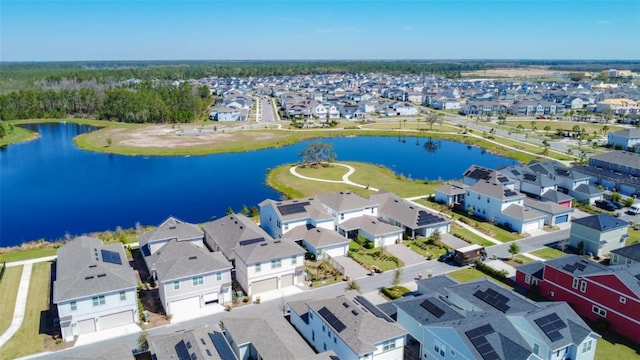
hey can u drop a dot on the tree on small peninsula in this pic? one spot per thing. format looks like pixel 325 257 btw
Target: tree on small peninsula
pixel 317 153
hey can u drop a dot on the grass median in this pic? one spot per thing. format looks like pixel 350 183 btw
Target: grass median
pixel 8 292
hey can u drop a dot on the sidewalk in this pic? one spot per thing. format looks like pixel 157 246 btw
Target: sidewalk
pixel 21 304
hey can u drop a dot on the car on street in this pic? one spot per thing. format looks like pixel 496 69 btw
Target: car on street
pixel 606 205
pixel 634 209
pixel 448 256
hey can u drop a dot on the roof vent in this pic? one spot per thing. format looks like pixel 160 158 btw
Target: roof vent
pixel 346 304
pixel 263 244
pixel 355 312
pixel 241 227
pixel 88 277
pixel 92 266
pixel 192 257
pixel 277 242
pixel 102 275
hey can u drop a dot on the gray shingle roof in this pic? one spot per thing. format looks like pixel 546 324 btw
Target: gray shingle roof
pixel 522 213
pixel 449 189
pixel 313 209
pixel 556 196
pixel 624 158
pixel 496 190
pixel 267 250
pixel 176 260
pixel 182 344
pixel 82 271
pixel 630 251
pixel 171 228
pixel 316 237
pixel 588 190
pixel 345 201
pixel 371 225
pixel 408 214
pixel 601 222
pixel 547 207
pixel 362 329
pixel 227 232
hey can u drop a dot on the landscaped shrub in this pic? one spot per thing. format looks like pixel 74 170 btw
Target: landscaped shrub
pixel 388 293
pixel 497 274
pixel 369 245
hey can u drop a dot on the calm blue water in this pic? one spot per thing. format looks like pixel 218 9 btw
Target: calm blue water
pixel 48 187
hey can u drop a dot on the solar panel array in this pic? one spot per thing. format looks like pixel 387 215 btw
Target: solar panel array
pixel 493 298
pixel 515 172
pixel 551 325
pixel 373 309
pixel 294 208
pixel 562 172
pixel 222 346
pixel 509 192
pixel 432 308
pixel 332 319
pixel 478 338
pixel 250 241
pixel 503 179
pixel 479 174
pixel 426 218
pixel 530 177
pixel 111 257
pixel 575 266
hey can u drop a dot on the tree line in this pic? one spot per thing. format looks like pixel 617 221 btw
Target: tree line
pixel 139 103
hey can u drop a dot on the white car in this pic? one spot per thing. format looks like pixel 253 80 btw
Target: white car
pixel 634 209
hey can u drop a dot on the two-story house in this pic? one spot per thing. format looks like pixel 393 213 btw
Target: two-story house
pixel 482 320
pixel 606 294
pixel 345 205
pixel 348 329
pixel 626 139
pixel 278 217
pixel 629 254
pixel 94 288
pixel 170 229
pixel 617 170
pixel 598 234
pixel 189 278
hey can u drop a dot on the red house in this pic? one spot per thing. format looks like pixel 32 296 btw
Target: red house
pixel 596 292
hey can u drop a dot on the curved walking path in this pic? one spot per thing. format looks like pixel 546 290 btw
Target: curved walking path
pixel 21 304
pixel 345 177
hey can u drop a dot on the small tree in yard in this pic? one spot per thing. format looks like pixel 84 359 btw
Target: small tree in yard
pixel 143 344
pixel 316 153
pixel 397 277
pixel 514 249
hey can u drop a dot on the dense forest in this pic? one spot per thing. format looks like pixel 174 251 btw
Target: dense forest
pixel 140 103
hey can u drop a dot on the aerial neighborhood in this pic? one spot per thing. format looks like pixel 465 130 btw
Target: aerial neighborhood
pixel 267 285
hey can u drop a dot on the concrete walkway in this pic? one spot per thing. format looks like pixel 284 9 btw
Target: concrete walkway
pixel 404 253
pixel 21 303
pixel 351 268
pixel 531 256
pixel 345 177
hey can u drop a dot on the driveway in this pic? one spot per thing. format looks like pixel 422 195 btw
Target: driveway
pixel 404 253
pixel 351 268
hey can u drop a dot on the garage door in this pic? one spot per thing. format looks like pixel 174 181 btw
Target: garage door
pixel 86 326
pixel 210 298
pixel 531 226
pixel 562 219
pixel 264 285
pixel 184 306
pixel 286 280
pixel 115 320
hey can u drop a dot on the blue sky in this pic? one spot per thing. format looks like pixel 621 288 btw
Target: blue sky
pixel 33 30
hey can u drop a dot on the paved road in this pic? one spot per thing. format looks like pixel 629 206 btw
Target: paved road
pixel 529 244
pixel 267 110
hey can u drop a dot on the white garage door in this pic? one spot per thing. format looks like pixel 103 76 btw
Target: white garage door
pixel 531 226
pixel 86 326
pixel 340 250
pixel 264 285
pixel 115 320
pixel 210 298
pixel 286 280
pixel 184 306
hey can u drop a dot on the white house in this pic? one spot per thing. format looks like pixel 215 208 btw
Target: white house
pixel 345 205
pixel 268 264
pixel 599 234
pixel 95 288
pixel 348 329
pixel 189 278
pixel 319 241
pixel 373 229
pixel 626 139
pixel 279 217
pixel 170 229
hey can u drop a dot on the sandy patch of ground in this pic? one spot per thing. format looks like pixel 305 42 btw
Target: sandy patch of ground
pixel 531 71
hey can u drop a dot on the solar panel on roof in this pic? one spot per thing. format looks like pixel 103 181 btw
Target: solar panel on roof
pixel 332 319
pixel 580 266
pixel 374 309
pixel 570 268
pixel 250 241
pixel 432 308
pixel 222 346
pixel 530 177
pixel 425 218
pixel 111 257
pixel 480 342
pixel 494 299
pixel 551 325
pixel 516 172
pixel 295 208
pixel 509 192
pixel 503 179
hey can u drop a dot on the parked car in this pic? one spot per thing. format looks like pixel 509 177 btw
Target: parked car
pixel 606 205
pixel 634 209
pixel 448 256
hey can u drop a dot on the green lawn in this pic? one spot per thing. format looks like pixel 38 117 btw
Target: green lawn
pixel 488 228
pixel 634 236
pixel 425 250
pixel 18 134
pixel 17 255
pixel 616 347
pixel 373 257
pixel 469 236
pixel 8 291
pixel 330 172
pixel 521 259
pixel 467 274
pixel 28 339
pixel 548 253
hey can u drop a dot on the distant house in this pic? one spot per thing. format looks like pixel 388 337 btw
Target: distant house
pixel 345 205
pixel 348 329
pixel 170 229
pixel 615 170
pixel 555 214
pixel 599 234
pixel 225 114
pixel 320 242
pixel 200 343
pixel 619 106
pixel 629 254
pixel 95 288
pixel 189 277
pixel 606 294
pixel 482 320
pixel 450 194
pixel 626 139
pixel 371 228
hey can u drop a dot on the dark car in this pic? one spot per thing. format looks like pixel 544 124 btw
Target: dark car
pixel 606 205
pixel 446 257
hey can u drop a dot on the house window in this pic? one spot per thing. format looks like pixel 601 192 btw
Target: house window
pixel 614 259
pixel 278 224
pixel 583 286
pixel 276 264
pixel 294 260
pixel 452 352
pixel 536 348
pixel 176 285
pixel 218 276
pixel 197 280
pixel 286 226
pixel 623 300
pixel 575 283
pixel 341 216
pixel 372 210
pixel 313 335
pixel 600 311
pixel 98 300
pixel 388 345
pixel 123 296
pixel 586 346
pixel 439 348
pixel 257 267
pixel 527 279
pixel 73 305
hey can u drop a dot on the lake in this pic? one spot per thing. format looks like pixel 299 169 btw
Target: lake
pixel 49 188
